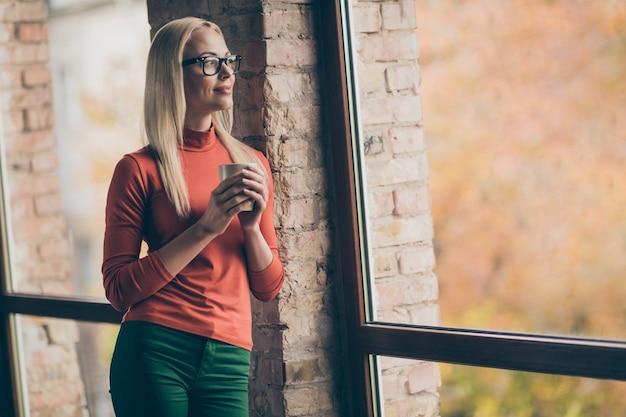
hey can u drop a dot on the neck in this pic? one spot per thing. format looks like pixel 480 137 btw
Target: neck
pixel 199 124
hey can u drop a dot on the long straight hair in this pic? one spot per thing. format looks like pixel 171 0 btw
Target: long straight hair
pixel 165 108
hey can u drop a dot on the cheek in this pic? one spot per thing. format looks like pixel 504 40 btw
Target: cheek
pixel 196 87
pixel 191 85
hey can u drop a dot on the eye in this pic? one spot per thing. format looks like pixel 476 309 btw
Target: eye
pixel 211 62
pixel 233 62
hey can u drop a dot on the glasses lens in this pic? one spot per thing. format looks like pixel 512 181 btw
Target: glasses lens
pixel 233 62
pixel 210 65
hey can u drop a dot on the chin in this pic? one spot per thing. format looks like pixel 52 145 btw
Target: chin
pixel 225 106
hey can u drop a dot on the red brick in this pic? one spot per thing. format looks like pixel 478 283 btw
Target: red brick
pixel 292 153
pixel 287 24
pixel 381 203
pixel 33 185
pixel 402 77
pixel 255 53
pixel 397 171
pixel 299 213
pixel 283 119
pixel 307 370
pixel 388 47
pixel 38 119
pixel 10 78
pixel 367 18
pixel 30 53
pixel 13 121
pixel 37 227
pixel 394 109
pixel 385 265
pixel 290 53
pixel 30 98
pixel 29 142
pixel 400 15
pixel 18 162
pixel 390 386
pixel 422 377
pixel 22 207
pixel 418 259
pixel 406 292
pixel 48 205
pixel 32 32
pixel 390 293
pixel 301 182
pixel 7 31
pixel 406 201
pixel 25 11
pixel 36 76
pixel 406 139
pixel 44 161
pixel 305 244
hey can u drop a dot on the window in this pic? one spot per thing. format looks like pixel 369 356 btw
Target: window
pixel 51 299
pixel 359 128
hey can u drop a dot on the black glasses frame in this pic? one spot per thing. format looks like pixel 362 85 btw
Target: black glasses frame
pixel 220 61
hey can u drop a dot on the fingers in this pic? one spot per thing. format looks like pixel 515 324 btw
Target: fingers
pixel 238 189
pixel 231 199
pixel 232 194
pixel 255 187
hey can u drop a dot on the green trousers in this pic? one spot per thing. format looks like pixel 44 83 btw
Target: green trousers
pixel 157 371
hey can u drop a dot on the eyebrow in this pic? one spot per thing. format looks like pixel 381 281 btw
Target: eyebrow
pixel 228 53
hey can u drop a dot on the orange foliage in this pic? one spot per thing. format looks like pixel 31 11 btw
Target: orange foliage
pixel 525 118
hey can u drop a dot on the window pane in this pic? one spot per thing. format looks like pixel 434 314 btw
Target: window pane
pixel 58 172
pixel 407 387
pixel 524 114
pixel 411 388
pixel 469 391
pixel 525 109
pixel 392 168
pixel 65 366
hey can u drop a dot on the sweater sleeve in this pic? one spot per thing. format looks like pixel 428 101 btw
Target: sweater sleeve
pixel 128 279
pixel 266 284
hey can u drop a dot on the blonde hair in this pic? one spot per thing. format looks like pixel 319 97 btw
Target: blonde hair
pixel 165 108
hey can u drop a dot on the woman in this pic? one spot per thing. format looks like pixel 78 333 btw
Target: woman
pixel 184 345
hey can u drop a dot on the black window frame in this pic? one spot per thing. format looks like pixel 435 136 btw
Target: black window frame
pixel 11 303
pixel 568 356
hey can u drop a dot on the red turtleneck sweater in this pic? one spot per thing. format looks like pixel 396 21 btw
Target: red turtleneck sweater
pixel 210 296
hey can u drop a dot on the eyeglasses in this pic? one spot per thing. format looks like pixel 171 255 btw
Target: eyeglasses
pixel 211 65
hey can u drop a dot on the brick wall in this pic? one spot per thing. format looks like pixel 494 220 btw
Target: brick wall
pixel 41 252
pixel 296 141
pixel 396 169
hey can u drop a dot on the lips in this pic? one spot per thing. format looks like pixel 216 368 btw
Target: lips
pixel 226 89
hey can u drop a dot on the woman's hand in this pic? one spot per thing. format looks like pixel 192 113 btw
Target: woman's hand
pixel 254 179
pixel 228 199
pixel 232 196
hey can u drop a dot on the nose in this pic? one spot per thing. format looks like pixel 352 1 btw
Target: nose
pixel 225 71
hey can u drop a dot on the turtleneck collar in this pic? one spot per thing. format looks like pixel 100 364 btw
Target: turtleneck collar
pixel 196 141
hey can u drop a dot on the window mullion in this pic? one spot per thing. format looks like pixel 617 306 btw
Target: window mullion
pixel 8 389
pixel 73 308
pixel 543 354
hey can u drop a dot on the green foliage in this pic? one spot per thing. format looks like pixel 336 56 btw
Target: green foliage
pixel 473 392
